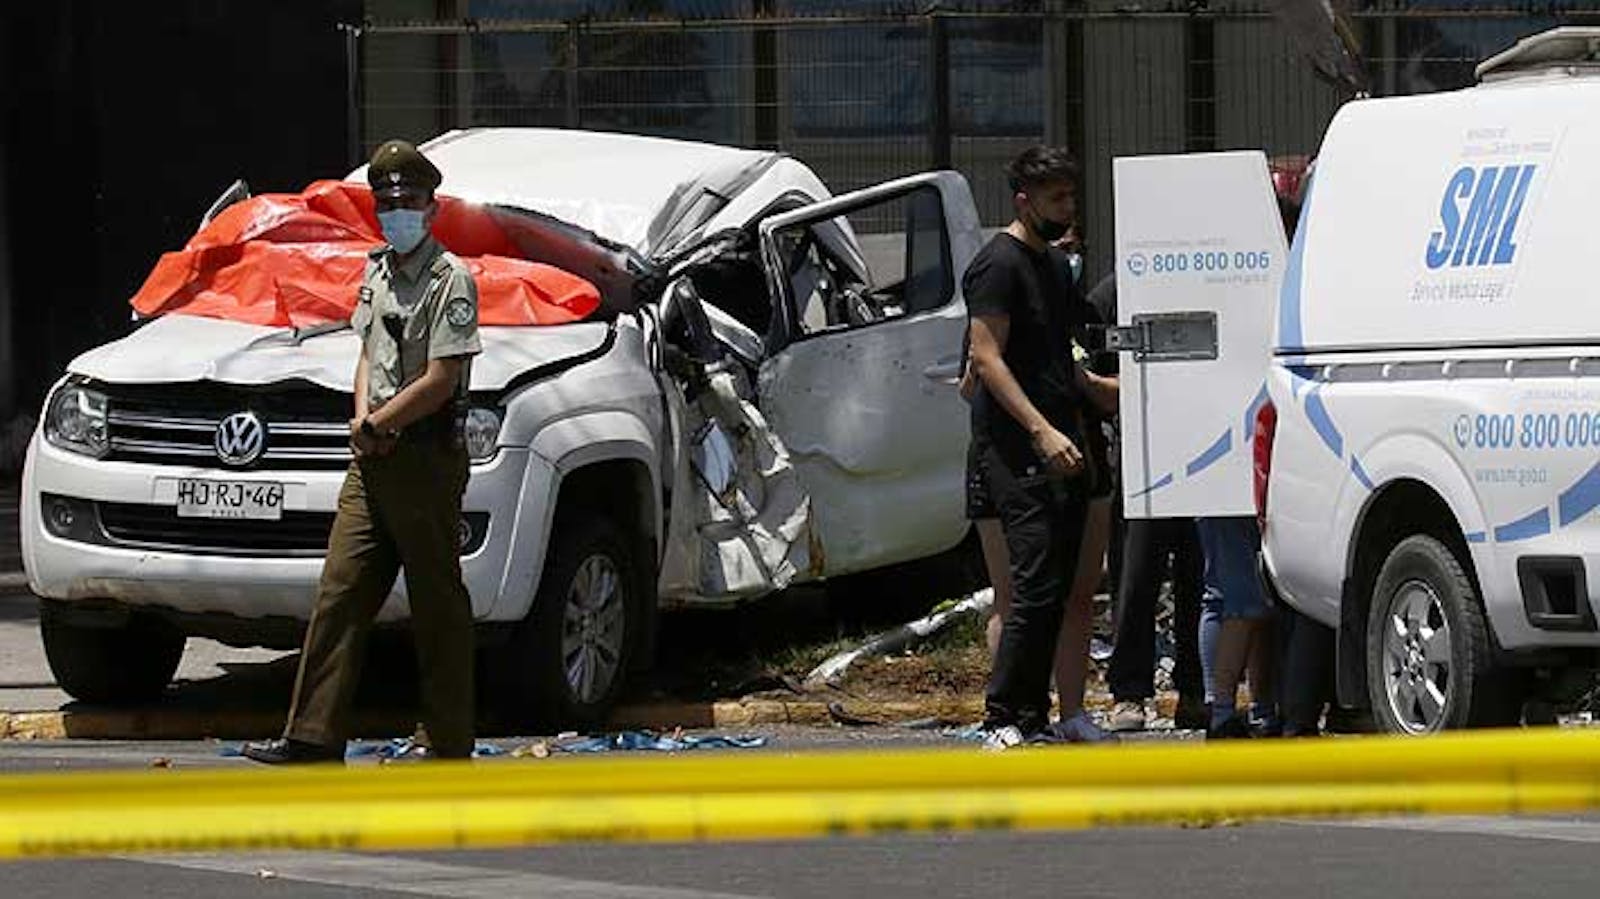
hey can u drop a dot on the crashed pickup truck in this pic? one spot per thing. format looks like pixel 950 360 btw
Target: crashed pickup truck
pixel 764 396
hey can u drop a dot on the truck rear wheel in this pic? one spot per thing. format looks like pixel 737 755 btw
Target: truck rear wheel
pixel 1430 661
pixel 116 664
pixel 569 659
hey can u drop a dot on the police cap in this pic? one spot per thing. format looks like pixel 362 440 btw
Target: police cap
pixel 399 169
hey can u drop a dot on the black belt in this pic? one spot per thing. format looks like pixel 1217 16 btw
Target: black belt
pixel 440 426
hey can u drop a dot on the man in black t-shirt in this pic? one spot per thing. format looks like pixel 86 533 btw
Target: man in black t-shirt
pixel 1029 421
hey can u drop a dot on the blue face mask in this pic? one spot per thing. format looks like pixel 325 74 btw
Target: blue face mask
pixel 404 229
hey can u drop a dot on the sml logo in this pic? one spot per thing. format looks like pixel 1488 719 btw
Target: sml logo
pixel 1484 235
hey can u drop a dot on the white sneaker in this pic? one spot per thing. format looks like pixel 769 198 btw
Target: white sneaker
pixel 1080 728
pixel 1002 738
pixel 1128 715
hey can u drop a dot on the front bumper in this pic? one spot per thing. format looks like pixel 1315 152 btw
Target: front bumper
pixel 154 559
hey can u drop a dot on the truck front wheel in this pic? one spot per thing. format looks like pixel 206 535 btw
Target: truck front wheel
pixel 110 663
pixel 1430 663
pixel 570 657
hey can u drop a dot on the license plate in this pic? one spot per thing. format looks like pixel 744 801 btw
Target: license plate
pixel 230 499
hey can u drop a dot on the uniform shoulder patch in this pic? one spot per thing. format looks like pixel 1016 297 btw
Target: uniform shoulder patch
pixel 459 312
pixel 364 294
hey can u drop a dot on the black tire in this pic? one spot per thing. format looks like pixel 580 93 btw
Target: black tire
pixel 116 665
pixel 534 663
pixel 1421 588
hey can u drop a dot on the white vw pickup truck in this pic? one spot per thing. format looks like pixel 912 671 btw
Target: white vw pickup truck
pixel 766 397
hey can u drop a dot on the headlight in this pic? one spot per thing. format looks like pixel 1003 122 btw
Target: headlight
pixel 483 433
pixel 76 421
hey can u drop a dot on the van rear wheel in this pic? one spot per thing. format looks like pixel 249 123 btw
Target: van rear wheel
pixel 110 663
pixel 1429 658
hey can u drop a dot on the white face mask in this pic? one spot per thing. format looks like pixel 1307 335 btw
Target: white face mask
pixel 404 229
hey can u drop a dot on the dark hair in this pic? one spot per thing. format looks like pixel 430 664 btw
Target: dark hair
pixel 1039 165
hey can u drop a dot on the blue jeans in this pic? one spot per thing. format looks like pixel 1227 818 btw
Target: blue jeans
pixel 1232 591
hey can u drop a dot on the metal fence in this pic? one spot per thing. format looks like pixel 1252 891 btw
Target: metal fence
pixel 865 98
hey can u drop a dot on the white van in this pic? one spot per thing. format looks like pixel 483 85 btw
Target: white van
pixel 1427 460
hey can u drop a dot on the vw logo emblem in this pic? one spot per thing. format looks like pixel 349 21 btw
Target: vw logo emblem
pixel 240 439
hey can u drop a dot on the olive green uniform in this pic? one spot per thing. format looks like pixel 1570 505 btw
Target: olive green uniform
pixel 400 511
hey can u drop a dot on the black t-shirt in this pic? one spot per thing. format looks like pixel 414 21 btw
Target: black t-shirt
pixel 1102 300
pixel 1008 278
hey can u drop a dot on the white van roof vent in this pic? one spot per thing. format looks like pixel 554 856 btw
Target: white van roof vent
pixel 1568 50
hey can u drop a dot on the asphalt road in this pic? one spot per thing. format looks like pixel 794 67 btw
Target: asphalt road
pixel 1451 858
pixel 1457 858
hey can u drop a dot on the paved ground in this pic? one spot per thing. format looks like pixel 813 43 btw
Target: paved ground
pixel 1462 858
pixel 207 666
pixel 10 548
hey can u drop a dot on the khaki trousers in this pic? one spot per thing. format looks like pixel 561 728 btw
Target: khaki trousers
pixel 397 512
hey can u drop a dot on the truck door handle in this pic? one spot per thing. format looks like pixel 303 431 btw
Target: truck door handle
pixel 945 371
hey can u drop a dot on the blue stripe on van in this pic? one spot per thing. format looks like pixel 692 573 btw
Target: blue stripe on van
pixel 1581 498
pixel 1164 481
pixel 1360 473
pixel 1300 378
pixel 1323 423
pixel 1527 527
pixel 1476 537
pixel 1250 413
pixel 1290 339
pixel 1212 453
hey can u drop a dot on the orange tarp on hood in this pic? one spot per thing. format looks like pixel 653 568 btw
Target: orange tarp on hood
pixel 293 260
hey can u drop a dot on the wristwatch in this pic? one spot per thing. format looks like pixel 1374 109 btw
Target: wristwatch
pixel 370 431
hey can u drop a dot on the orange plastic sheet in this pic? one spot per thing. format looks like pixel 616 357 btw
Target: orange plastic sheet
pixel 293 260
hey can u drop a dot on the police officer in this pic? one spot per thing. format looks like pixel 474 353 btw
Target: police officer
pixel 417 315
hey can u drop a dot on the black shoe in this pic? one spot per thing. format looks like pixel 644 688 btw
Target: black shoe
pixel 1342 720
pixel 291 752
pixel 1192 713
pixel 1233 728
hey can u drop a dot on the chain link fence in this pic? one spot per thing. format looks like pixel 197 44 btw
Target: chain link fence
pixel 865 98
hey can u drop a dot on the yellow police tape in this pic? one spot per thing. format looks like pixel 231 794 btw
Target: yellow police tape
pixel 772 795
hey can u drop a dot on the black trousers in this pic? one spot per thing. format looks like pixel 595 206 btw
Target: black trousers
pixel 1043 519
pixel 1154 548
pixel 1305 672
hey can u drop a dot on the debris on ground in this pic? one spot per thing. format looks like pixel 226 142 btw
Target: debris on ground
pixel 643 740
pixel 832 671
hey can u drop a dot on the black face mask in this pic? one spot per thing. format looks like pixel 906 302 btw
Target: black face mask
pixel 1047 230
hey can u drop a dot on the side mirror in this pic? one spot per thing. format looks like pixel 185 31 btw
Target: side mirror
pixel 683 312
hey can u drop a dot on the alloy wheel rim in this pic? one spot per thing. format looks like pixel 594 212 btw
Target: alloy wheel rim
pixel 1418 669
pixel 592 628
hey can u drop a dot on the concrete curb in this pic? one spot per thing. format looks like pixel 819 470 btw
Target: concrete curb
pixel 159 724
pixel 174 724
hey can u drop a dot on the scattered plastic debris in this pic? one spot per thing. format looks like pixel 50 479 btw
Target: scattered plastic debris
pixel 399 748
pixel 831 672
pixel 643 740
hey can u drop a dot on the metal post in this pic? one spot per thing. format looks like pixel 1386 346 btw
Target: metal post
pixel 571 64
pixel 1060 65
pixel 352 82
pixel 938 93
pixel 765 57
pixel 1200 84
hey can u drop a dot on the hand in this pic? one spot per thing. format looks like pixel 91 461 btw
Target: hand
pixel 1059 453
pixel 364 445
pixel 969 383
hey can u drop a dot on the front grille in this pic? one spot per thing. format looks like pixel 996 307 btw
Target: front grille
pixel 295 534
pixel 176 424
